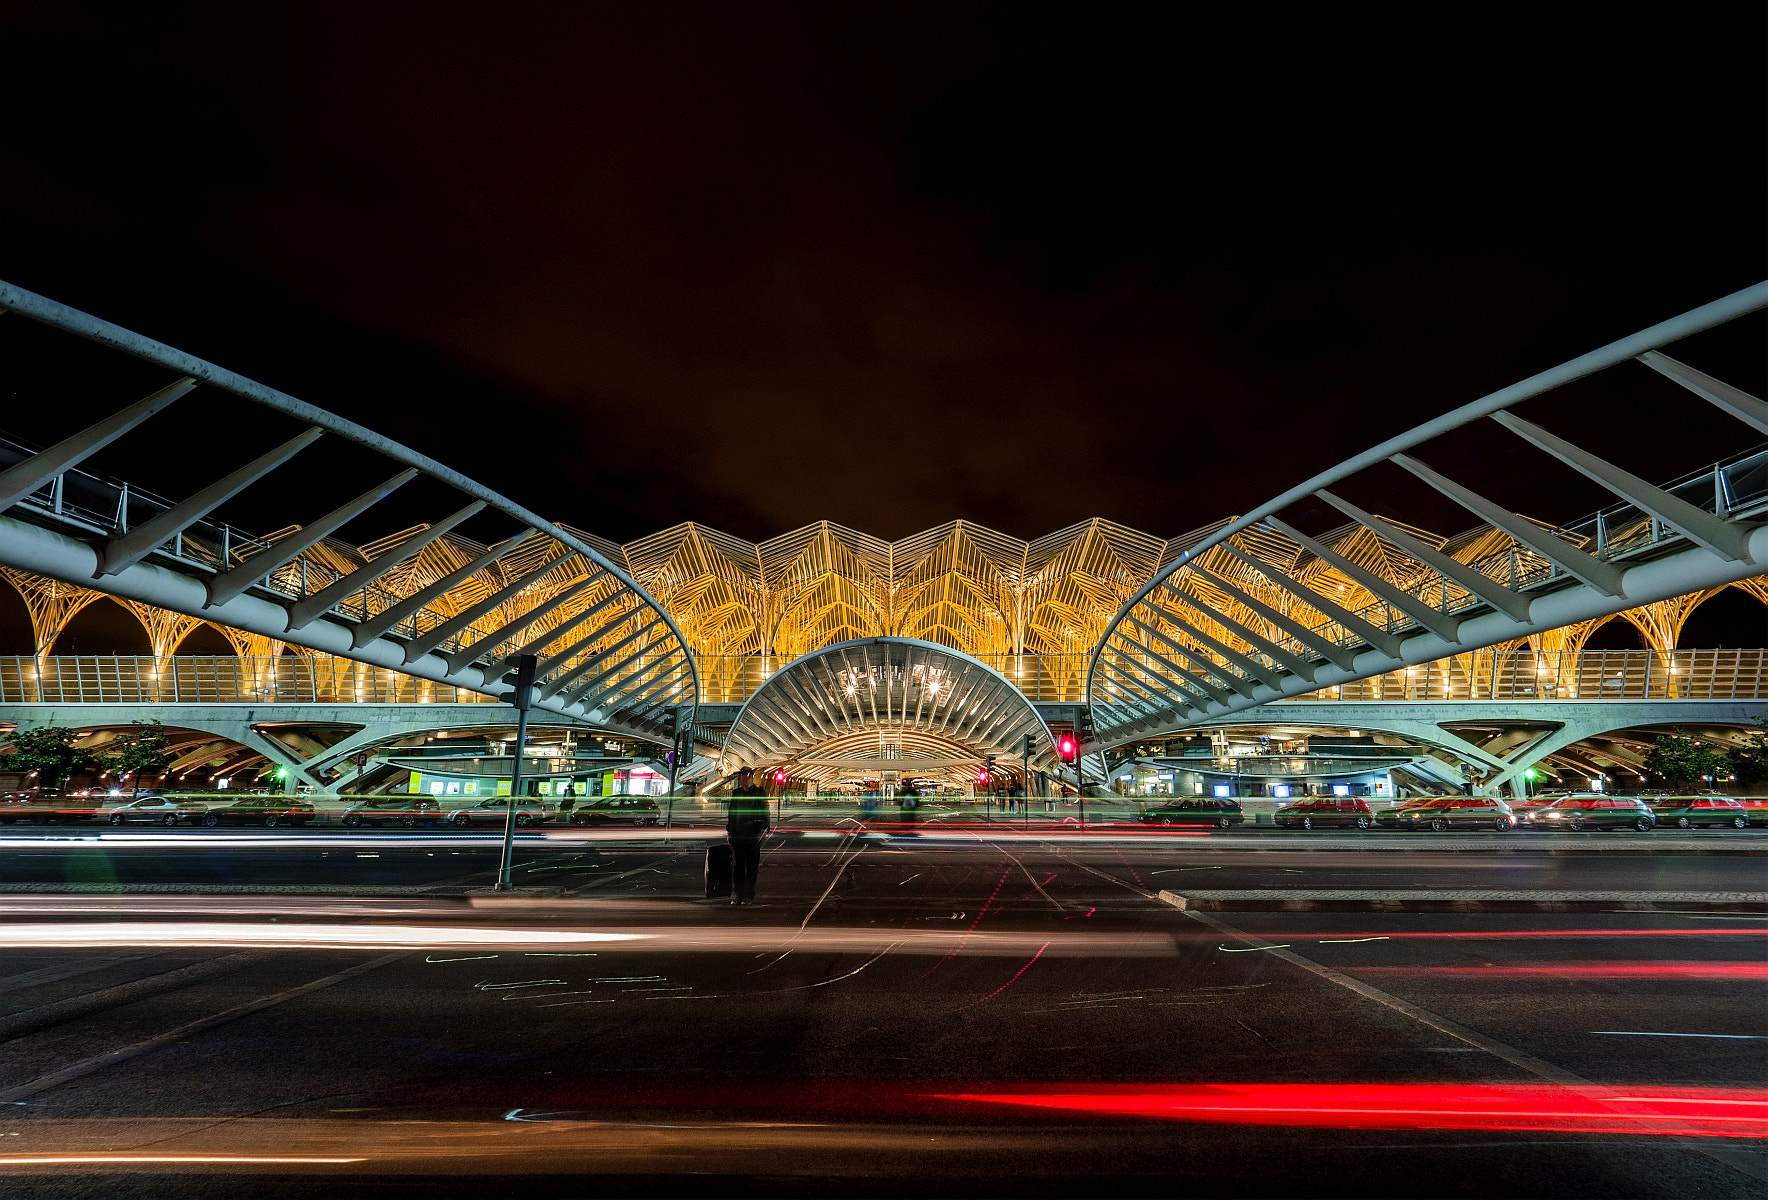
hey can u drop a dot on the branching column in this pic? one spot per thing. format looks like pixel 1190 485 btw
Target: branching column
pixel 52 604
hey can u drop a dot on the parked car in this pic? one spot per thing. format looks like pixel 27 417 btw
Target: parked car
pixel 1686 812
pixel 409 811
pixel 1323 812
pixel 151 808
pixel 1441 814
pixel 269 811
pixel 618 810
pixel 495 810
pixel 1593 810
pixel 16 806
pixel 1527 809
pixel 1205 810
pixel 35 807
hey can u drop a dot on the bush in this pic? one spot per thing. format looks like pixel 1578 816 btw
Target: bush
pixel 1677 760
pixel 50 752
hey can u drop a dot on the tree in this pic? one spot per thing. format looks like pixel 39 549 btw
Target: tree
pixel 1749 762
pixel 1678 760
pixel 146 748
pixel 50 752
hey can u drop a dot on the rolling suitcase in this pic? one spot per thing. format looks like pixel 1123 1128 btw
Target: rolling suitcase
pixel 718 871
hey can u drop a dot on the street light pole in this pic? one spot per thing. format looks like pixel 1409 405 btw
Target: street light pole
pixel 522 697
pixel 674 762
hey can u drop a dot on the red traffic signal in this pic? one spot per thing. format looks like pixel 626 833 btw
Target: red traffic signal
pixel 982 777
pixel 1066 748
pixel 779 777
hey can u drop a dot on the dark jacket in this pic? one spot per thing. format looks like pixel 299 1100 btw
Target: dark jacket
pixel 748 814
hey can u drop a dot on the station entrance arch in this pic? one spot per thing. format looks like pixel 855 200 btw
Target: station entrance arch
pixel 881 709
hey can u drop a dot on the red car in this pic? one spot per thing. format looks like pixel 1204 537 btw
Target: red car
pixel 1322 812
pixel 1755 808
pixel 1691 812
pixel 36 807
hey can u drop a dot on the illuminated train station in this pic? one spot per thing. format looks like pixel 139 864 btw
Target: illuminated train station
pixel 983 600
pixel 1244 655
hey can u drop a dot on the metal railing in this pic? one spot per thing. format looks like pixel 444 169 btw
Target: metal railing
pixel 1568 675
pixel 1046 678
pixel 220 679
pixel 1052 678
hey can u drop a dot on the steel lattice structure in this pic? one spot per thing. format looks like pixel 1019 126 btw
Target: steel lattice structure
pixel 1174 631
pixel 426 600
pixel 1258 610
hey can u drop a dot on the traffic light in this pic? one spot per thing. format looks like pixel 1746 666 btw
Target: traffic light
pixel 521 681
pixel 987 772
pixel 1067 749
pixel 1026 747
pixel 1529 774
pixel 780 777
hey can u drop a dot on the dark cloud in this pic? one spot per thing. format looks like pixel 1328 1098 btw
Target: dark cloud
pixel 891 264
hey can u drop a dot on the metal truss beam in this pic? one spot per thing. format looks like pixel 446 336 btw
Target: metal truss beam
pixel 306 611
pixel 135 545
pixel 1483 586
pixel 19 481
pixel 229 584
pixel 1664 542
pixel 1735 401
pixel 184 560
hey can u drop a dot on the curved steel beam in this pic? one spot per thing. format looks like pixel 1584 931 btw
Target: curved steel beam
pixel 929 692
pixel 149 564
pixel 1684 539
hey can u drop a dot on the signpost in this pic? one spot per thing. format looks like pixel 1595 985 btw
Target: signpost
pixel 674 761
pixel 523 679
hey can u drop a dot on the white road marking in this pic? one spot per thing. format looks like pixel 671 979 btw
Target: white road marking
pixel 1741 1037
pixel 99 1062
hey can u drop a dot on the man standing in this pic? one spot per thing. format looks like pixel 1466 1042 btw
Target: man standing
pixel 907 800
pixel 745 824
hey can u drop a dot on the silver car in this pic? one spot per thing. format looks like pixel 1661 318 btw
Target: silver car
pixel 154 809
pixel 495 811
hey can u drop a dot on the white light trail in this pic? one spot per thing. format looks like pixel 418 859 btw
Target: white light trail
pixel 325 839
pixel 187 934
pixel 118 935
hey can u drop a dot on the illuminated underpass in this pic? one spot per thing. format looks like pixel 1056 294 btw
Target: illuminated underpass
pixel 885 709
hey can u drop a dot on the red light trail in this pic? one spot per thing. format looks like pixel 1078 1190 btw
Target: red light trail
pixel 1508 934
pixel 1609 970
pixel 1704 1112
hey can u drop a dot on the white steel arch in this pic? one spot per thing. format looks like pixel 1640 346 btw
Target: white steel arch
pixel 914 691
pixel 1235 621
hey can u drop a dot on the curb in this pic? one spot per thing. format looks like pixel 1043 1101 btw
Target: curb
pixel 1754 903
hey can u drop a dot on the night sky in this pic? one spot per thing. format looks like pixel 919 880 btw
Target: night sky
pixel 894 264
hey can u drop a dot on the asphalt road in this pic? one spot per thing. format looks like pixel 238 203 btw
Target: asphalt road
pixel 1012 1018
pixel 1722 860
